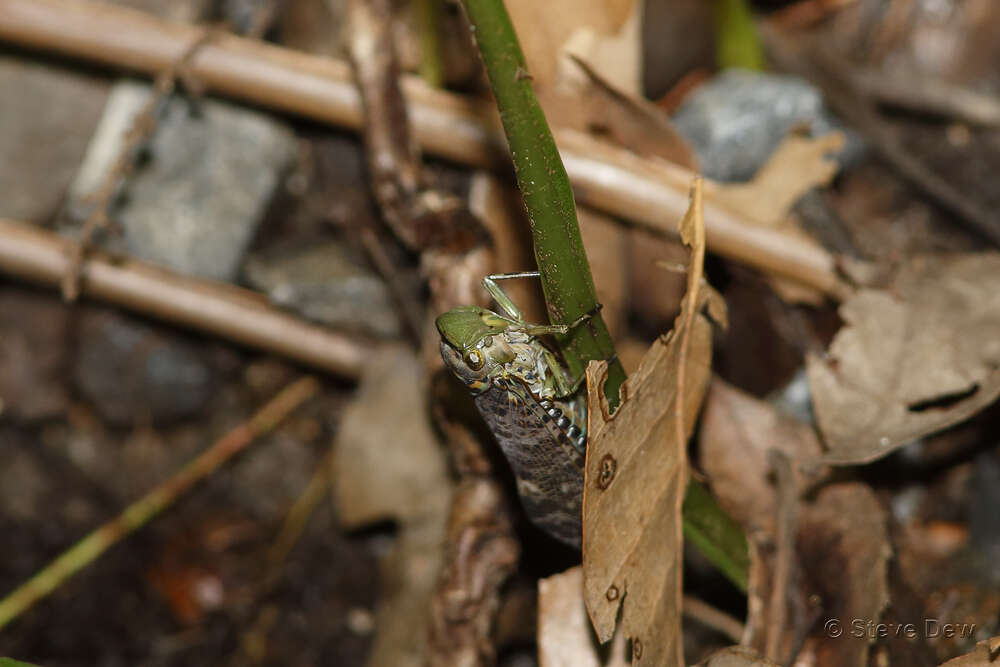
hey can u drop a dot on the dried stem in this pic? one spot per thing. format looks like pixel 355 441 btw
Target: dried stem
pixel 480 550
pixel 448 125
pixel 713 617
pixel 829 71
pixel 233 313
pixel 140 512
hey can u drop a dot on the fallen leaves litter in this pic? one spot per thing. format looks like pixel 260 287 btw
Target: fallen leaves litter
pixel 565 638
pixel 799 164
pixel 735 656
pixel 843 545
pixel 737 432
pixel 389 466
pixel 986 654
pixel 636 476
pixel 910 360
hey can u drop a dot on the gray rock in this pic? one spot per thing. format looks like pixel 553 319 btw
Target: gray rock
pixel 323 284
pixel 737 119
pixel 45 119
pixel 132 373
pixel 195 205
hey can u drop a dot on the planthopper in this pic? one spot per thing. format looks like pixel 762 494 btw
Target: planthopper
pixel 528 400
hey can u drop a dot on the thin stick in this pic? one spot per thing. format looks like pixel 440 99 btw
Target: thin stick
pixel 143 126
pixel 787 511
pixel 828 70
pixel 458 128
pixel 230 312
pixel 140 512
pixel 713 617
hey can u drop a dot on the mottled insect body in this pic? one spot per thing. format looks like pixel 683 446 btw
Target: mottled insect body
pixel 528 402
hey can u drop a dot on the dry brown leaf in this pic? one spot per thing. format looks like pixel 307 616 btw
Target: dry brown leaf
pixel 796 166
pixel 636 476
pixel 565 638
pixel 736 656
pixel 841 544
pixel 615 54
pixel 843 547
pixel 544 28
pixel 737 432
pixel 585 101
pixel 986 654
pixel 388 465
pixel 843 552
pixel 912 359
pixel 378 475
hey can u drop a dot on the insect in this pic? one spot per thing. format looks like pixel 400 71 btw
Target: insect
pixel 528 400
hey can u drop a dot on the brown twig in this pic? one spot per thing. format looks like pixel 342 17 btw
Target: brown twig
pixel 448 125
pixel 141 511
pixel 829 71
pixel 480 549
pixel 393 155
pixel 712 617
pixel 143 126
pixel 929 94
pixel 233 313
pixel 411 311
pixel 787 507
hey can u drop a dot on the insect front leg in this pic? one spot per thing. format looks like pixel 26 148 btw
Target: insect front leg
pixel 496 292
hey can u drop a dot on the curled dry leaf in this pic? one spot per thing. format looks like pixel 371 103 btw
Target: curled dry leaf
pixel 912 359
pixel 841 545
pixel 843 548
pixel 604 32
pixel 799 164
pixel 737 432
pixel 986 654
pixel 388 465
pixel 587 102
pixel 636 476
pixel 565 638
pixel 736 656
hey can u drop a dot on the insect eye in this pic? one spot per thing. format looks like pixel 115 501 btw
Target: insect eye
pixel 474 359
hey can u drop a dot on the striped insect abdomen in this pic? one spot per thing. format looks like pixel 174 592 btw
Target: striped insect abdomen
pixel 547 464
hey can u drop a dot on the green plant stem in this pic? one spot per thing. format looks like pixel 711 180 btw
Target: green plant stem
pixel 429 26
pixel 141 511
pixel 562 263
pixel 715 534
pixel 565 273
pixel 736 40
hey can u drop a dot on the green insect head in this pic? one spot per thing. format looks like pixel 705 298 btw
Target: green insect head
pixel 472 343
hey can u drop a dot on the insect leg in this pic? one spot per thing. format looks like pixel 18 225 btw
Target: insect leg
pixel 498 295
pixel 505 302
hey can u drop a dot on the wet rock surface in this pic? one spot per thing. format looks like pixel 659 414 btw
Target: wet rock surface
pixel 325 284
pixel 129 370
pixel 737 119
pixel 203 186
